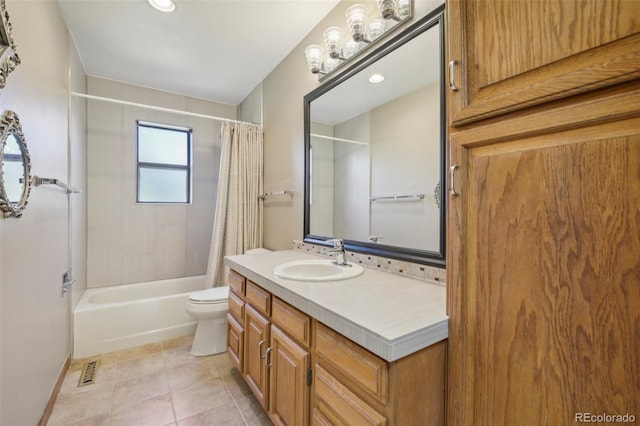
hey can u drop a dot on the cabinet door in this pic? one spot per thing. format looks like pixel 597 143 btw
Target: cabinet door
pixel 514 54
pixel 256 343
pixel 545 274
pixel 235 342
pixel 289 391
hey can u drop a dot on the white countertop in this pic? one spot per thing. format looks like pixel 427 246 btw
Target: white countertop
pixel 390 315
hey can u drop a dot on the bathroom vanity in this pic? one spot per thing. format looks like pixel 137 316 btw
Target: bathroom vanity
pixel 368 350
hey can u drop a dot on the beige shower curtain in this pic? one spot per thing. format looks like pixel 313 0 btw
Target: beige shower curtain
pixel 237 225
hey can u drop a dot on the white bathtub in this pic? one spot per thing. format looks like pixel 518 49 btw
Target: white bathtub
pixel 118 317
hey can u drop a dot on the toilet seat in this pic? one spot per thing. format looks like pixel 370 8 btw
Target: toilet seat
pixel 210 296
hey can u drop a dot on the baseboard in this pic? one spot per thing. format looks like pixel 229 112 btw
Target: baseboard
pixel 56 389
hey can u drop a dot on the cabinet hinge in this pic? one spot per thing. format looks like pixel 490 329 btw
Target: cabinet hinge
pixel 309 377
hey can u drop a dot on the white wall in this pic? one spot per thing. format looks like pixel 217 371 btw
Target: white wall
pixel 322 181
pixel 352 178
pixel 34 317
pixel 77 176
pixel 409 124
pixel 131 242
pixel 250 109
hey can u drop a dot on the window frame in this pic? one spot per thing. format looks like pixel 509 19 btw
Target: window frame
pixel 165 166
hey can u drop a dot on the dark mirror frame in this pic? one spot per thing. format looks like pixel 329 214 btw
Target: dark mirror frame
pixel 433 258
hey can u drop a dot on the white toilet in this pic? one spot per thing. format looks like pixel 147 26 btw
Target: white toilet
pixel 210 308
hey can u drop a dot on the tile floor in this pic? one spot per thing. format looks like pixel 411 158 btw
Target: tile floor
pixel 158 384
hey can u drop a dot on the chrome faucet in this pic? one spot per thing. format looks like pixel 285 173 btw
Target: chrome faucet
pixel 338 248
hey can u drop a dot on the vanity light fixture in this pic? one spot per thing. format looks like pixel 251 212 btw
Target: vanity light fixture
pixel 361 32
pixel 376 78
pixel 163 5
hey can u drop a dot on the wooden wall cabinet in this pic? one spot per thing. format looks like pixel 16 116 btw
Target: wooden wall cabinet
pixel 305 373
pixel 510 55
pixel 543 261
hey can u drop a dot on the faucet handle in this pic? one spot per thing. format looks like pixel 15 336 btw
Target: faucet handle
pixel 338 243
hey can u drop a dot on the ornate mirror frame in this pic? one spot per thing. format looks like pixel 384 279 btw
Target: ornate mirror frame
pixel 9 59
pixel 10 125
pixel 432 258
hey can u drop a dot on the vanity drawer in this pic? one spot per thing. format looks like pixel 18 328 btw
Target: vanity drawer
pixel 236 306
pixel 335 404
pixel 258 298
pixel 362 368
pixel 237 282
pixel 291 320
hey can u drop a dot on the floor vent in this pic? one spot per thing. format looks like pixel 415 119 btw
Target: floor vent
pixel 88 375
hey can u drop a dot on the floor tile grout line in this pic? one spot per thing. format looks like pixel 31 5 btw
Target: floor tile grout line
pixel 226 385
pixel 166 375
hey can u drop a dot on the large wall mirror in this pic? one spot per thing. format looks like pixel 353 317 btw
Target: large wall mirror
pixel 375 152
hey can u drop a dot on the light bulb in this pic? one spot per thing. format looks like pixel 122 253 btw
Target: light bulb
pixel 387 8
pixel 314 58
pixel 333 40
pixel 404 9
pixel 376 28
pixel 356 15
pixel 330 64
pixel 350 48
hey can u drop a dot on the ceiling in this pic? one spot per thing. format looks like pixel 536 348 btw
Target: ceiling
pixel 211 49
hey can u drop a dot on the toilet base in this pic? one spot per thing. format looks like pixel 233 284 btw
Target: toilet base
pixel 210 338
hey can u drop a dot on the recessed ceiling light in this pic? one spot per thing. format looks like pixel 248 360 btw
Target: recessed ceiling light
pixel 163 5
pixel 376 78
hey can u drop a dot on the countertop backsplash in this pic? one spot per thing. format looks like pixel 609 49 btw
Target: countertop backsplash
pixel 397 267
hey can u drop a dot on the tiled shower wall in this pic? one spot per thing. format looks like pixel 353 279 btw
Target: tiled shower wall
pixel 130 242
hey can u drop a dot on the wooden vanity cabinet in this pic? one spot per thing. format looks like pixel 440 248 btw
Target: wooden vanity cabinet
pixel 273 353
pixel 302 372
pixel 510 55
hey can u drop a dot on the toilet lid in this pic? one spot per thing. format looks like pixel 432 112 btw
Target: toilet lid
pixel 210 295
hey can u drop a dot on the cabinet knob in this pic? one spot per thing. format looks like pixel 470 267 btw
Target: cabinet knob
pixel 452 76
pixel 260 349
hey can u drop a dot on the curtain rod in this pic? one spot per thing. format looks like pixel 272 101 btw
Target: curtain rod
pixel 315 135
pixel 156 108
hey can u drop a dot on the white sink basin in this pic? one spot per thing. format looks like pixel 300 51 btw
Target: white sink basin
pixel 317 270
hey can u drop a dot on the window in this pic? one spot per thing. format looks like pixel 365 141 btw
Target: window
pixel 164 164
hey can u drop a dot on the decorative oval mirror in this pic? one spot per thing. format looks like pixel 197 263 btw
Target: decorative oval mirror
pixel 15 176
pixel 9 59
pixel 375 150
